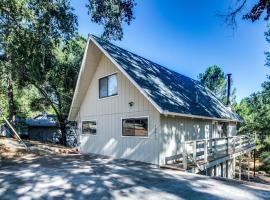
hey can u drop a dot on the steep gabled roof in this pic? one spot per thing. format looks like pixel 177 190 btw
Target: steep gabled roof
pixel 170 92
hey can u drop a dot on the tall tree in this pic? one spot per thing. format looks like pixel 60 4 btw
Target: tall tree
pixel 58 84
pixel 30 30
pixel 112 15
pixel 215 79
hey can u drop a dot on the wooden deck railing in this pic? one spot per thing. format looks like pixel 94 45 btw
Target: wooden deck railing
pixel 207 150
pixel 203 151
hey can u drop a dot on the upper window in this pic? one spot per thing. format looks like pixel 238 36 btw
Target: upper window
pixel 89 127
pixel 135 127
pixel 108 86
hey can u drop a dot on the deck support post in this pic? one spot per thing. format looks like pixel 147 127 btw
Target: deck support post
pixel 222 169
pixel 239 163
pixel 254 161
pixel 227 170
pixel 233 167
pixel 248 166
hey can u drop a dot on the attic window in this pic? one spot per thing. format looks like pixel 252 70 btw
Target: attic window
pixel 108 86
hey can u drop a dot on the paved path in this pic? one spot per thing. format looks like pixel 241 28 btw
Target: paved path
pixel 96 177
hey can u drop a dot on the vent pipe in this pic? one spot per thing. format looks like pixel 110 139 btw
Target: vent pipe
pixel 229 90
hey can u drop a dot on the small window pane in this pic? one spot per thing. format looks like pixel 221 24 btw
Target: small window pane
pixel 128 127
pixel 89 127
pixel 141 127
pixel 103 87
pixel 135 127
pixel 112 85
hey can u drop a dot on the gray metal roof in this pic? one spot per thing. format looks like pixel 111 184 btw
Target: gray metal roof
pixel 171 91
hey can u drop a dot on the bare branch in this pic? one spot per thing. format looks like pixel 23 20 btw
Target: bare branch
pixel 232 13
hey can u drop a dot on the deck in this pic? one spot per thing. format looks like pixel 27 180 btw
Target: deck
pixel 201 154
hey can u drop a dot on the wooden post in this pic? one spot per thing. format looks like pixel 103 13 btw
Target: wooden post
pixel 214 148
pixel 194 150
pixel 254 160
pixel 239 160
pixel 227 170
pixel 205 151
pixel 248 165
pixel 221 170
pixel 185 157
pixel 234 144
pixel 11 127
pixel 233 167
pixel 185 160
pixel 227 140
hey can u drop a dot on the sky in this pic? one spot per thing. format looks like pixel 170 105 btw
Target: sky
pixel 188 37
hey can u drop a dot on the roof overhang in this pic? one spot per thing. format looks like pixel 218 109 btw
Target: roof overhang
pixel 166 113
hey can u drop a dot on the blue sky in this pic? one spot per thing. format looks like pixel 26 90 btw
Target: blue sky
pixel 189 37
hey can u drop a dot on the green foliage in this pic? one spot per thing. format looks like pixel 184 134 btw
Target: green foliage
pixel 112 15
pixel 30 33
pixel 59 82
pixel 215 79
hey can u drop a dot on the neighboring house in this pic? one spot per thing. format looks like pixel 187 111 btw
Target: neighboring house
pixel 129 107
pixel 43 127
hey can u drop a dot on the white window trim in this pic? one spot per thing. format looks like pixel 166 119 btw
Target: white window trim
pixel 100 77
pixel 90 120
pixel 131 117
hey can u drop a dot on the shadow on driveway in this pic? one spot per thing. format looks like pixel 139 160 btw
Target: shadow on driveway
pixel 99 177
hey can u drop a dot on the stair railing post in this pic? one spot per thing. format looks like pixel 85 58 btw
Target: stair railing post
pixel 194 150
pixel 205 150
pixel 227 143
pixel 234 140
pixel 185 157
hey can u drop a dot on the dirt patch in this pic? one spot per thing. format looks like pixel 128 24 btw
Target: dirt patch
pixel 12 149
pixel 7 153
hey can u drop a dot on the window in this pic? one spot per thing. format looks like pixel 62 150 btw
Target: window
pixel 108 86
pixel 135 127
pixel 222 129
pixel 89 127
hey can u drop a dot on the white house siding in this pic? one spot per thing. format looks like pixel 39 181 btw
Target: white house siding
pixel 108 113
pixel 174 131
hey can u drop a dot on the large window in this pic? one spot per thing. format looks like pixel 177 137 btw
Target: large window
pixel 135 127
pixel 89 127
pixel 108 86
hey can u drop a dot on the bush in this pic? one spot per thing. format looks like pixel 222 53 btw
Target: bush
pixel 265 159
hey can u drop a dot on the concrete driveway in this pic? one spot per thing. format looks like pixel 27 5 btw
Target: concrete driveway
pixel 97 177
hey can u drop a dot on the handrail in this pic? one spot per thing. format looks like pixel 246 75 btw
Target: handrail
pixel 212 147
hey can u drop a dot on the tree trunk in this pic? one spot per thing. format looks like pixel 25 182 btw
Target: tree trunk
pixel 63 131
pixel 10 98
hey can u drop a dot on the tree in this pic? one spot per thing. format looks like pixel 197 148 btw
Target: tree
pixel 259 9
pixel 58 84
pixel 215 79
pixel 112 15
pixel 30 31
